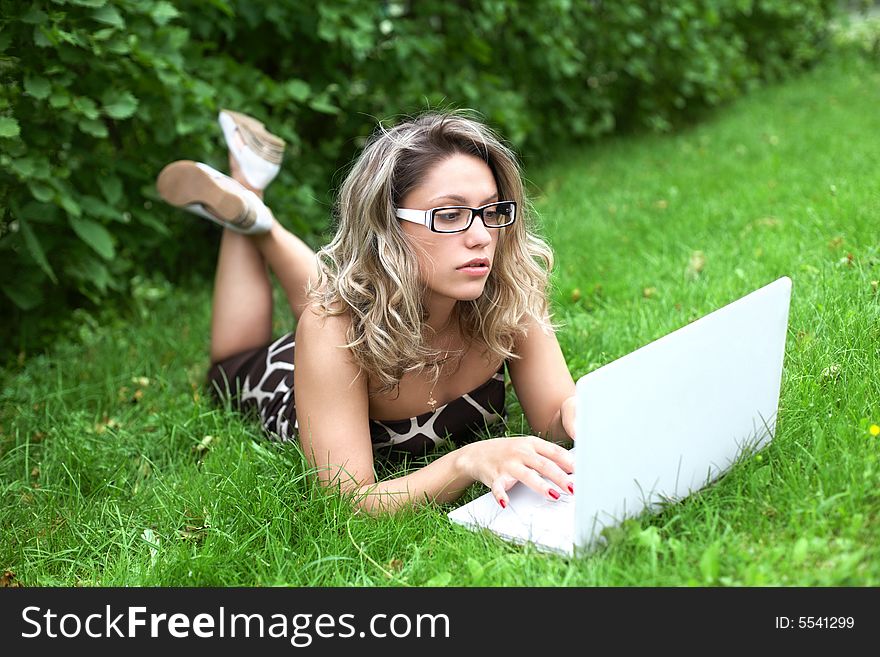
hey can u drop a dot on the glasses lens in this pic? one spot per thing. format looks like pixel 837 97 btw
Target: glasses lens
pixel 450 220
pixel 500 214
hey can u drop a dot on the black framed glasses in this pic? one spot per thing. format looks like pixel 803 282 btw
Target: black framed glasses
pixel 458 218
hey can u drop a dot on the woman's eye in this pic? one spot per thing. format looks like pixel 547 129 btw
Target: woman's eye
pixel 448 216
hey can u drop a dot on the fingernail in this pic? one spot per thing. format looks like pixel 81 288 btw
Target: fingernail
pixel 553 494
pixel 571 488
pixel 503 504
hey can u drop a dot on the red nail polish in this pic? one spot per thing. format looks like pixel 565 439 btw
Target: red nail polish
pixel 553 494
pixel 571 488
pixel 503 504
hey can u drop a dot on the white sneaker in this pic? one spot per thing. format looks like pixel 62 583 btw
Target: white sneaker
pixel 204 191
pixel 257 151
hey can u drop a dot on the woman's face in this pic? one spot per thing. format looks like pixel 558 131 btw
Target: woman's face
pixel 444 258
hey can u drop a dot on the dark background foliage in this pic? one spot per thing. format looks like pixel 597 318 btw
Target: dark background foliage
pixel 98 95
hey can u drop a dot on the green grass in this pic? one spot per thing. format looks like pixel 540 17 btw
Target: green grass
pixel 102 482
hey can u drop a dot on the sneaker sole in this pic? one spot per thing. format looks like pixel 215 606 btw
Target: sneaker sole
pixel 256 136
pixel 183 183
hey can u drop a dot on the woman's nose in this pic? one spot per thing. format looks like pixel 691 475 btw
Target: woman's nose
pixel 478 233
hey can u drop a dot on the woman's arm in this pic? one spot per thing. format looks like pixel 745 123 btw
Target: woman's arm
pixel 333 414
pixel 543 384
pixel 498 462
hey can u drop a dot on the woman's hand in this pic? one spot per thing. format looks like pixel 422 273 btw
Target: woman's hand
pixel 502 462
pixel 566 412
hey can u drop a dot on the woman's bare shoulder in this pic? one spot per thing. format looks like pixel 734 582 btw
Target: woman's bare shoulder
pixel 531 327
pixel 322 339
pixel 314 322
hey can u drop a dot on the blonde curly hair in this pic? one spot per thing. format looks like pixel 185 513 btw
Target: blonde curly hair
pixel 370 269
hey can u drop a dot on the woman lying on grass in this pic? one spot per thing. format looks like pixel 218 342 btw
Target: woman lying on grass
pixel 431 286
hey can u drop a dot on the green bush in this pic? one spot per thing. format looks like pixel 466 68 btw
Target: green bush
pixel 98 95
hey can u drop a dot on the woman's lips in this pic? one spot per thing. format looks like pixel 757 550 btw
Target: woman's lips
pixel 472 270
pixel 476 262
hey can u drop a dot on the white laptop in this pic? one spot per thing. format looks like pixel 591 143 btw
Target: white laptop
pixel 658 424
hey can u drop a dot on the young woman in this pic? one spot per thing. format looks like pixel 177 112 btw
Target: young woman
pixel 432 285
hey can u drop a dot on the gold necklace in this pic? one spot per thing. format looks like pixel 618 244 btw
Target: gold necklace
pixel 431 401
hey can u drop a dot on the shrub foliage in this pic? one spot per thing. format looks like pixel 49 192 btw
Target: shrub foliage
pixel 98 95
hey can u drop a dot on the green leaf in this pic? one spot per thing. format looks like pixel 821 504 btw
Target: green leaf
pixel 147 219
pixel 41 37
pixel 650 538
pixel 41 192
pixel 24 167
pixel 34 16
pixel 119 105
pixel 37 87
pixel 95 207
pixel 476 569
pixel 440 579
pixel 111 187
pixel 109 16
pixel 36 249
pixel 164 12
pixel 42 170
pixel 709 562
pixel 95 235
pixel 25 295
pixel 635 39
pixel 59 99
pixel 42 213
pixel 119 46
pixel 175 38
pixel 86 106
pixel 103 35
pixel 298 90
pixel 323 105
pixel 9 127
pixel 89 269
pixel 88 3
pixel 74 39
pixel 94 127
pixel 70 206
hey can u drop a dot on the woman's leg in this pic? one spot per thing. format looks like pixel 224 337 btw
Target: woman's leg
pixel 242 311
pixel 291 260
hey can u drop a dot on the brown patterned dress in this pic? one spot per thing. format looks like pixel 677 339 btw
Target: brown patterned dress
pixel 262 379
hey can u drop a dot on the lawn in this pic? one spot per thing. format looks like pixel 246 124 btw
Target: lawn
pixel 115 469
